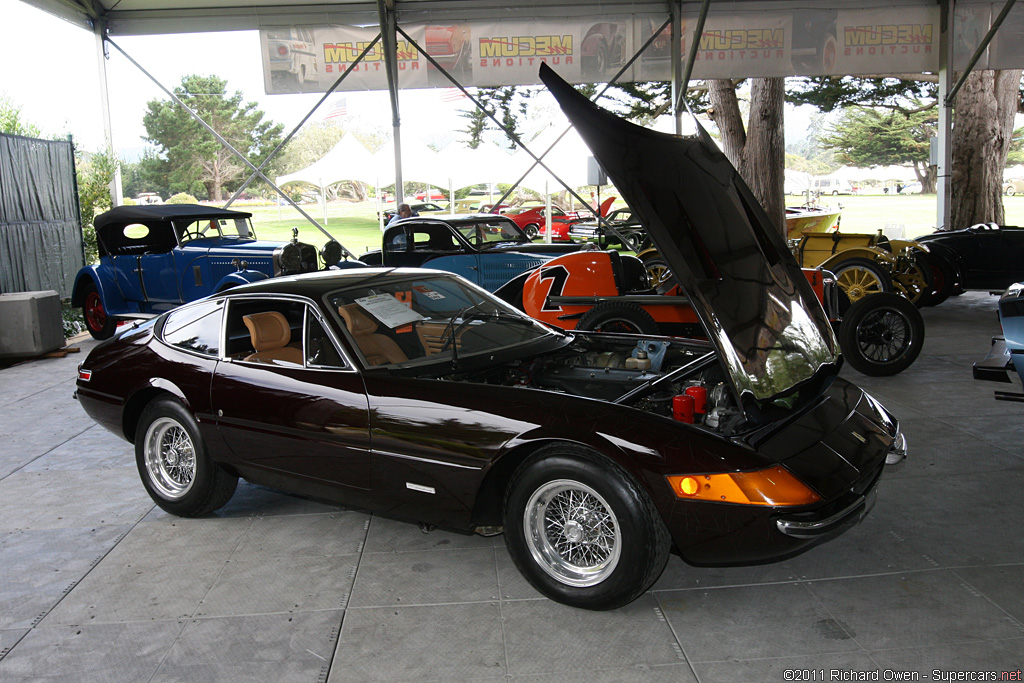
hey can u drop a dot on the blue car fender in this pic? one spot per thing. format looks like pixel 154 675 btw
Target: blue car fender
pixel 240 277
pixel 106 287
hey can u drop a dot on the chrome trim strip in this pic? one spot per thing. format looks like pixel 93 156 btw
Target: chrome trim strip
pixel 427 460
pixel 810 529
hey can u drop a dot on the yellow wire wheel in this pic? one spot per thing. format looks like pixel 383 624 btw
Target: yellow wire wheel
pixel 858 278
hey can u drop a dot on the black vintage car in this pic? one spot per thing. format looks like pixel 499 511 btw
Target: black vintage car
pixel 984 256
pixel 418 395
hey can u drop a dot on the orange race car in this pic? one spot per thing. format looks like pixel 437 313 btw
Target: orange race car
pixel 606 291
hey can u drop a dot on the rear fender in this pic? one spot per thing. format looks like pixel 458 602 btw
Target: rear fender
pixel 882 258
pixel 108 290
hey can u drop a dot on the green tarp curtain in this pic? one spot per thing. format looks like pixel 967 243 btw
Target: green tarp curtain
pixel 40 228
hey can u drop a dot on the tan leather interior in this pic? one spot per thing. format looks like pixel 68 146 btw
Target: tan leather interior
pixel 378 349
pixel 270 335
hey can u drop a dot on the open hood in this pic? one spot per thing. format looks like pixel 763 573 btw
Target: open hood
pixel 741 279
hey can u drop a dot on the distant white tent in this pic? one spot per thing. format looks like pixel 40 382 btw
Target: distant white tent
pixel 348 160
pixel 881 173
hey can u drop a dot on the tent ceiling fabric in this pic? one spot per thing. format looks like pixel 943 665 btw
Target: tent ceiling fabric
pixel 142 17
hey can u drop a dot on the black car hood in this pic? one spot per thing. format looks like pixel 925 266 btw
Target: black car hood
pixel 743 283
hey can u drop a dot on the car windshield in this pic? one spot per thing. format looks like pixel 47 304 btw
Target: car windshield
pixel 488 233
pixel 421 320
pixel 216 227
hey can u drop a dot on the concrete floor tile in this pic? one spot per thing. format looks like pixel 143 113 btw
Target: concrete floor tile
pixel 90 653
pixel 545 637
pixel 8 637
pixel 95 448
pixel 61 499
pixel 140 590
pixel 641 673
pixel 511 582
pixel 746 622
pixel 264 585
pixel 784 668
pixel 1003 585
pixel 428 643
pixel 426 577
pixel 977 656
pixel 179 539
pixel 273 647
pixel 37 568
pixel 334 533
pixel 912 610
pixel 388 535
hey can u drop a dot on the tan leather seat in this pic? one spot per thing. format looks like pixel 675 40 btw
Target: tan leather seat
pixel 378 349
pixel 270 335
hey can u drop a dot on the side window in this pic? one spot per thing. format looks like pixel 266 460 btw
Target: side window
pixel 320 350
pixel 195 328
pixel 265 331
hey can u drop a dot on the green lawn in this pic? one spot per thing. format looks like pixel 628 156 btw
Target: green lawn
pixel 355 224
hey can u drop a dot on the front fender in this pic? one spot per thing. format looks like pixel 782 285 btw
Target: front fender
pixel 241 277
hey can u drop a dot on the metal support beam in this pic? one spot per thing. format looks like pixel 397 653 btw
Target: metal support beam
pixel 388 31
pixel 677 65
pixel 945 147
pixel 691 57
pixel 99 30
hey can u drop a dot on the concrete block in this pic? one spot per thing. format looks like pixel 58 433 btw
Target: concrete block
pixel 30 324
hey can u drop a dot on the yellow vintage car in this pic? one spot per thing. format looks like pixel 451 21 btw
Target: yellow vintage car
pixel 867 263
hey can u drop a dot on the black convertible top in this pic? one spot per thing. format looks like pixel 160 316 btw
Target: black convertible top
pixel 126 215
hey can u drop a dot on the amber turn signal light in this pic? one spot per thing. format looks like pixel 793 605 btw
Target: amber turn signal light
pixel 775 487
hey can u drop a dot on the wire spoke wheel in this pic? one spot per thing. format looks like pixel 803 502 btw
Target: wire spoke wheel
pixel 572 533
pixel 170 458
pixel 883 335
pixel 858 278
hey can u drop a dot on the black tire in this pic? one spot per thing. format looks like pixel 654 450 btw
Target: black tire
pixel 860 277
pixel 881 334
pixel 175 468
pixel 97 321
pixel 617 316
pixel 601 552
pixel 532 231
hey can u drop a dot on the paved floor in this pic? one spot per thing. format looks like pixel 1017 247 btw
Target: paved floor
pixel 96 584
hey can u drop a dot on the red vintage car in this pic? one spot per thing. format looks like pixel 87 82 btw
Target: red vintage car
pixel 532 220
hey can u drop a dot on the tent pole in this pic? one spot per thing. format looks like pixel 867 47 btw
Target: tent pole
pixel 389 30
pixel 102 55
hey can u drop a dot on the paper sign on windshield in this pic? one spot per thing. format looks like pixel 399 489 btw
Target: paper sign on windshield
pixel 388 310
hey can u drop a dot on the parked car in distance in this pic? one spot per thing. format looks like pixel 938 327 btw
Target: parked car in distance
pixel 622 222
pixel 532 219
pixel 154 258
pixel 418 208
pixel 833 186
pixel 1014 186
pixel 914 187
pixel 1005 359
pixel 430 195
pixel 985 256
pixel 148 198
pixel 486 249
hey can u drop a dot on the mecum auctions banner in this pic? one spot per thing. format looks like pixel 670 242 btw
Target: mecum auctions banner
pixel 735 43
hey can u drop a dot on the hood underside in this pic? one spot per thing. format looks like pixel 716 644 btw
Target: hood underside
pixel 741 280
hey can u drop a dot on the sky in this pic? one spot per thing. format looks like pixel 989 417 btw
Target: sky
pixel 57 85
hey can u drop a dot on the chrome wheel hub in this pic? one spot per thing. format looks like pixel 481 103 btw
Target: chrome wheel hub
pixel 572 533
pixel 170 458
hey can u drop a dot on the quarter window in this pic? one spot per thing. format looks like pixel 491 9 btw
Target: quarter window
pixel 195 328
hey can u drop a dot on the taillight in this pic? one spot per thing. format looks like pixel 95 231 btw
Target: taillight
pixel 84 375
pixel 775 487
pixel 282 50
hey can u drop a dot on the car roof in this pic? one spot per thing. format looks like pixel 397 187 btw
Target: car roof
pixel 314 285
pixel 142 213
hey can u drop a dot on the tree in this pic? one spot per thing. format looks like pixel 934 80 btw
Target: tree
pixel 11 121
pixel 95 172
pixel 982 132
pixel 872 137
pixel 757 151
pixel 191 154
pixel 982 129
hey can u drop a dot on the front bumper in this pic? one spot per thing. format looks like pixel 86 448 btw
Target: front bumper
pixel 999 366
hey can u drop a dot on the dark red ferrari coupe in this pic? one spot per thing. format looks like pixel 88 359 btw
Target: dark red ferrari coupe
pixel 420 396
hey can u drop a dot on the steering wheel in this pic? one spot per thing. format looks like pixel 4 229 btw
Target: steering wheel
pixel 191 235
